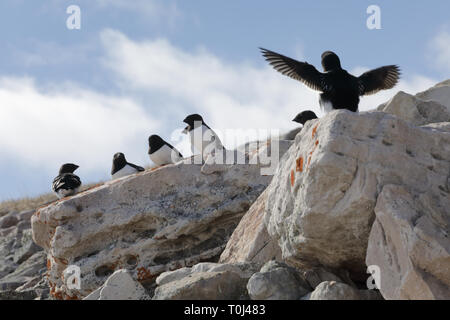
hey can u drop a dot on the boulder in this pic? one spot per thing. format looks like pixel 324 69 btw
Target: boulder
pixel 205 281
pixel 410 244
pixel 277 281
pixel 320 204
pixel 8 221
pixel 162 219
pixel 416 110
pixel 250 241
pixel 120 286
pixel 439 93
pixel 332 290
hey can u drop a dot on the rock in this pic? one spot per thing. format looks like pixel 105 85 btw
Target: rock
pixel 443 126
pixel 162 219
pixel 210 281
pixel 26 247
pixel 277 281
pixel 316 276
pixel 225 285
pixel 25 215
pixel 409 242
pixel 8 221
pixel 120 286
pixel 321 201
pixel 32 267
pixel 250 241
pixel 415 110
pixel 439 93
pixel 332 290
pixel 370 295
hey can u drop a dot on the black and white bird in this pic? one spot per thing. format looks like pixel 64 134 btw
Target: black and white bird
pixel 162 152
pixel 339 89
pixel 122 168
pixel 202 137
pixel 66 183
pixel 304 116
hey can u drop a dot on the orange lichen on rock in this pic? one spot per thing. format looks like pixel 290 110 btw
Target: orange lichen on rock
pixel 143 274
pixel 314 131
pixel 299 164
pixel 292 178
pixel 49 264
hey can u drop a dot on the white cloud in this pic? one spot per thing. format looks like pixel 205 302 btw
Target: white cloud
pixel 69 124
pixel 440 51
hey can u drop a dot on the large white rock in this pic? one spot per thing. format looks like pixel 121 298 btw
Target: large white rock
pixel 332 290
pixel 159 220
pixel 321 201
pixel 415 110
pixel 119 286
pixel 409 242
pixel 439 93
pixel 205 281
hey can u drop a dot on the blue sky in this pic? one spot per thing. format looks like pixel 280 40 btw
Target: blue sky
pixel 139 67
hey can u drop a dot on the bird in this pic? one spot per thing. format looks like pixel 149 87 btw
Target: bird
pixel 66 183
pixel 122 168
pixel 162 152
pixel 202 137
pixel 305 116
pixel 339 89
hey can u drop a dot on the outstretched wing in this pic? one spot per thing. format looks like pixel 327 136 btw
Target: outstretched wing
pixel 297 70
pixel 375 80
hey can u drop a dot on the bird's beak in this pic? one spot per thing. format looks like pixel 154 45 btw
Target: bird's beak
pixel 186 130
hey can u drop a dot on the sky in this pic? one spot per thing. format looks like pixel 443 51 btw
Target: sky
pixel 136 68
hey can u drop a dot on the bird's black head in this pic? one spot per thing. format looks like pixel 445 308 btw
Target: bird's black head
pixel 304 116
pixel 192 120
pixel 68 168
pixel 119 158
pixel 330 61
pixel 154 143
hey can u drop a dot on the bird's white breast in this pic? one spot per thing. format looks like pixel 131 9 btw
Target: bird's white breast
pixel 62 193
pixel 125 171
pixel 165 155
pixel 326 105
pixel 202 138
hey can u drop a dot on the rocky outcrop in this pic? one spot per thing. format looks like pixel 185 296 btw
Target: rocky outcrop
pixel 205 281
pixel 409 242
pixel 321 201
pixel 159 220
